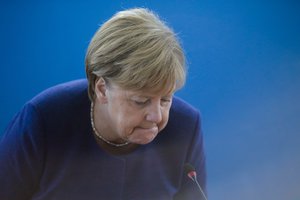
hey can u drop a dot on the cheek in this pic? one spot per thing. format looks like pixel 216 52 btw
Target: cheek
pixel 128 121
pixel 165 118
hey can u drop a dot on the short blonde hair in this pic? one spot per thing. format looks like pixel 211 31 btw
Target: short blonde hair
pixel 137 51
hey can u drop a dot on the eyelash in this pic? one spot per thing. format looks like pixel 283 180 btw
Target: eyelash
pixel 142 103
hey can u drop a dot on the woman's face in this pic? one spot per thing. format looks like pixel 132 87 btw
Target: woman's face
pixel 134 116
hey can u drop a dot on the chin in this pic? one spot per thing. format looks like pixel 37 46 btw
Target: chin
pixel 142 141
pixel 145 142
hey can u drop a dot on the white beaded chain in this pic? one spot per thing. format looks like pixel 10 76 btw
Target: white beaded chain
pixel 100 136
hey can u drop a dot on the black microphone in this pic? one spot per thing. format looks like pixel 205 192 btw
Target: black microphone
pixel 191 173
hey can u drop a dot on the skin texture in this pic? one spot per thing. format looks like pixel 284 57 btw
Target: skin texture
pixel 124 115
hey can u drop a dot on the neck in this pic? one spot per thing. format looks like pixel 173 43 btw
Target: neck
pixel 100 134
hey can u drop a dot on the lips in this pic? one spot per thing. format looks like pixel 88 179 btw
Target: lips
pixel 148 126
pixel 143 135
pixel 152 128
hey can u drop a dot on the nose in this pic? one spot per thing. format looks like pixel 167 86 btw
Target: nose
pixel 154 113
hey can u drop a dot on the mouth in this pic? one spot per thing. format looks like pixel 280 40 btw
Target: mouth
pixel 152 128
pixel 148 126
pixel 143 135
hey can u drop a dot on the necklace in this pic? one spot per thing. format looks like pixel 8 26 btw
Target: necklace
pixel 99 135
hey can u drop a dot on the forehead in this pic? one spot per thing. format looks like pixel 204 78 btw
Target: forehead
pixel 166 91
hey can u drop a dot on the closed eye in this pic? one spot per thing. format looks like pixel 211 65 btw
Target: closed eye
pixel 165 101
pixel 141 103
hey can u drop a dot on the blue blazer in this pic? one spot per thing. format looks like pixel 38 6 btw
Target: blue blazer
pixel 48 152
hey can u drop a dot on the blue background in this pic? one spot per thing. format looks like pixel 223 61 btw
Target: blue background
pixel 244 67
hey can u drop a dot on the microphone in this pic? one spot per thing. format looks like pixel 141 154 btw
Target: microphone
pixel 191 173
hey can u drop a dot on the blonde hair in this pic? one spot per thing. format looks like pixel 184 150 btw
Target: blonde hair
pixel 137 51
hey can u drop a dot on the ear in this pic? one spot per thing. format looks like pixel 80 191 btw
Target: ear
pixel 101 90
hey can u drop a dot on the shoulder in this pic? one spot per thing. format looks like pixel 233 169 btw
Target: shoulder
pixel 183 110
pixel 63 91
pixel 184 120
pixel 62 95
pixel 63 101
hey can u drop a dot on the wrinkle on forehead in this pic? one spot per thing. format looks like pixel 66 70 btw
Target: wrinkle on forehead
pixel 156 91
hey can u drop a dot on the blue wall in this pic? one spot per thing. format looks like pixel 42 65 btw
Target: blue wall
pixel 244 67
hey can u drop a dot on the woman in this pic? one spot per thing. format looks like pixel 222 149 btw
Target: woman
pixel 119 135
